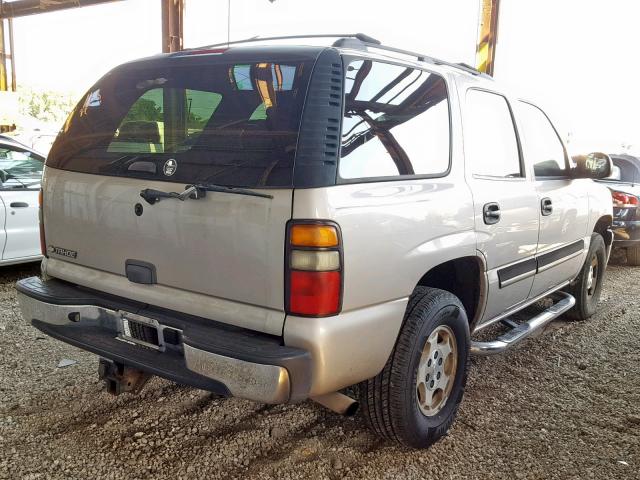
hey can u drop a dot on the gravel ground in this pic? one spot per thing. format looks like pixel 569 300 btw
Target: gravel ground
pixel 565 404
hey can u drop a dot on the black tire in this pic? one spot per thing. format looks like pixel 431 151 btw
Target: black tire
pixel 390 400
pixel 633 256
pixel 587 297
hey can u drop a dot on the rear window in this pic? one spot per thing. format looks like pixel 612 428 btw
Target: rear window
pixel 226 123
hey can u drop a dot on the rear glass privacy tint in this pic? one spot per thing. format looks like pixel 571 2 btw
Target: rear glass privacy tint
pixel 224 123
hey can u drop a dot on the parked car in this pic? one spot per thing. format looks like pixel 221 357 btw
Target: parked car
pixel 278 223
pixel 20 177
pixel 624 184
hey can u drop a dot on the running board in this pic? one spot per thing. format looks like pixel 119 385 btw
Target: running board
pixel 524 330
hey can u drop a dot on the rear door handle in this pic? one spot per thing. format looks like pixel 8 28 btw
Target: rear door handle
pixel 18 205
pixel 491 213
pixel 546 206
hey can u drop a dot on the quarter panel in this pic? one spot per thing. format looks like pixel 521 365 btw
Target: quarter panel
pixel 393 232
pixel 349 347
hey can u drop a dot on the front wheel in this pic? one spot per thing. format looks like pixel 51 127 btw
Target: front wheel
pixel 586 288
pixel 415 398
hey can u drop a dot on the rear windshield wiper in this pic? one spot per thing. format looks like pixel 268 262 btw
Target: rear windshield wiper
pixel 196 192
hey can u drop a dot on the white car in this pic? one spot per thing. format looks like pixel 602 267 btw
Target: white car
pixel 20 178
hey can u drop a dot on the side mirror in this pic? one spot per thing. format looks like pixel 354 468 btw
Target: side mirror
pixel 595 165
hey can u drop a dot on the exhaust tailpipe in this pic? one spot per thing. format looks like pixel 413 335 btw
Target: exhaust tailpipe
pixel 337 402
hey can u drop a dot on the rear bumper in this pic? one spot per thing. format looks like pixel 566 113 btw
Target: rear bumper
pixel 626 233
pixel 211 356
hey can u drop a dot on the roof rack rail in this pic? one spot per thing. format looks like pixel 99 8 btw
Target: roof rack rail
pixel 363 38
pixel 354 40
pixel 421 57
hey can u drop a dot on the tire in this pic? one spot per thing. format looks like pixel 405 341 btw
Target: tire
pixel 633 256
pixel 588 295
pixel 391 400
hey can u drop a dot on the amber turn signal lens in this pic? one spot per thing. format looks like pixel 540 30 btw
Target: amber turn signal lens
pixel 309 235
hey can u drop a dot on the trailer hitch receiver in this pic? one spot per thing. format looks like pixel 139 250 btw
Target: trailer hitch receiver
pixel 120 378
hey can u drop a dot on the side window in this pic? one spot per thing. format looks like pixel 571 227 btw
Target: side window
pixel 19 168
pixel 541 145
pixel 396 122
pixel 490 143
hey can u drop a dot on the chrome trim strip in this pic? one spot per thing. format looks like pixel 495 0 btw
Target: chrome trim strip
pixel 559 261
pixel 520 306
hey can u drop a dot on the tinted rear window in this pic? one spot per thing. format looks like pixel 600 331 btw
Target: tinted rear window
pixel 229 123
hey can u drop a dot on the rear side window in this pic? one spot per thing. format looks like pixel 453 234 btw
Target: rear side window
pixel 223 123
pixel 396 122
pixel 540 142
pixel 490 144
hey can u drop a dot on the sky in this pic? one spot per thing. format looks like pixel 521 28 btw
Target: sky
pixel 574 58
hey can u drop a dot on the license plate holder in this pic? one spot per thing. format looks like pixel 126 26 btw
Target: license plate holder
pixel 141 330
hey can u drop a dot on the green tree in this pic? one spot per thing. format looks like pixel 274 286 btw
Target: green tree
pixel 46 105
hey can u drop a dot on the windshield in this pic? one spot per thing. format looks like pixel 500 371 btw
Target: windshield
pixel 233 124
pixel 20 168
pixel 625 170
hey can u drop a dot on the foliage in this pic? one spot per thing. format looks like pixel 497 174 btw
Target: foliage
pixel 45 105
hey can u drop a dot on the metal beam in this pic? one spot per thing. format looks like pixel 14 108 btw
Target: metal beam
pixel 172 25
pixel 21 8
pixel 6 53
pixel 487 36
pixel 14 85
pixel 3 59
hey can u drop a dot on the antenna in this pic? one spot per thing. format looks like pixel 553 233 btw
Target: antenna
pixel 228 22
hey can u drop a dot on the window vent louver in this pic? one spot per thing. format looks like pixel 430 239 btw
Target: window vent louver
pixel 319 143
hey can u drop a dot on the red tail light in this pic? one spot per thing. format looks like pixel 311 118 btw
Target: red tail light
pixel 623 200
pixel 43 242
pixel 314 293
pixel 314 269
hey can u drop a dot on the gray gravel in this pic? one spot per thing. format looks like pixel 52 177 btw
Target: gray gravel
pixel 563 405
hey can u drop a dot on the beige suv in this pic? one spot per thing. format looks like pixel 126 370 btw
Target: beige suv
pixel 279 223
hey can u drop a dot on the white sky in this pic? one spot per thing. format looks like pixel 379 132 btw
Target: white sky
pixel 578 59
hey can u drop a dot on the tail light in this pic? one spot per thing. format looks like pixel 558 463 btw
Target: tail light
pixel 314 269
pixel 624 200
pixel 43 242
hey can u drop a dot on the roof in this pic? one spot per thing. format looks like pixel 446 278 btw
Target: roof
pixel 8 141
pixel 345 43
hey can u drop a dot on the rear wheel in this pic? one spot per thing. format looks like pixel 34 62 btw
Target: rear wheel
pixel 587 287
pixel 633 256
pixel 415 398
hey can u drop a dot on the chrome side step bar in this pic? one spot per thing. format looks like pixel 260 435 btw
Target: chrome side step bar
pixel 524 330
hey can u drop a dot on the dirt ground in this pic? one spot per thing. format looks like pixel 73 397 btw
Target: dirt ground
pixel 565 404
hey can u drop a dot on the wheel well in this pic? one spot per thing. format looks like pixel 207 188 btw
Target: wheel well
pixel 602 227
pixel 464 278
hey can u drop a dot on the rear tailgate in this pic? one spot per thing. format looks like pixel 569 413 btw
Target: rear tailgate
pixel 225 246
pixel 229 120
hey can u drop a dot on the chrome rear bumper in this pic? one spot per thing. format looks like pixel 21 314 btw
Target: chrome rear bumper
pixel 211 356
